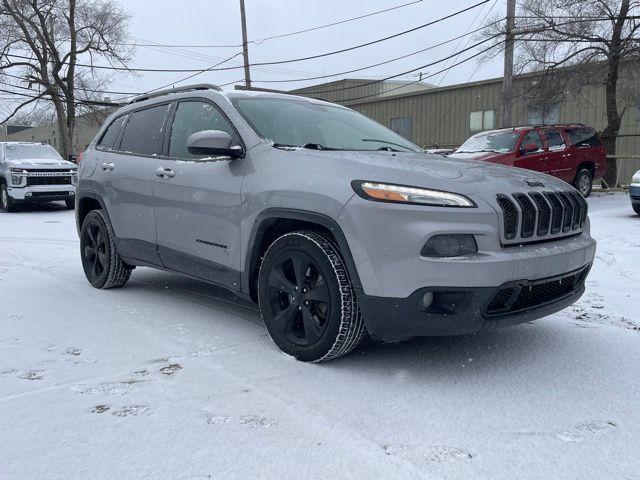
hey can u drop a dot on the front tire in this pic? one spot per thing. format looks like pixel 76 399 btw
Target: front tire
pixel 584 182
pixel 7 204
pixel 102 265
pixel 636 208
pixel 307 300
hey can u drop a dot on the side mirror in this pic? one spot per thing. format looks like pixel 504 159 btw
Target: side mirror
pixel 530 148
pixel 215 143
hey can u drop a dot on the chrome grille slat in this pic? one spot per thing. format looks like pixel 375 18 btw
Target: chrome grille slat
pixel 528 217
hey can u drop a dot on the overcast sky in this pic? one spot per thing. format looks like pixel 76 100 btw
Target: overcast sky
pixel 218 22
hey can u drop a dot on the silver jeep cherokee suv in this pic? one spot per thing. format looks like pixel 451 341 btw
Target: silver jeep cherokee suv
pixel 34 172
pixel 333 224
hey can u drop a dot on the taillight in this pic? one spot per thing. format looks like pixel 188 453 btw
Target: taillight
pixel 79 158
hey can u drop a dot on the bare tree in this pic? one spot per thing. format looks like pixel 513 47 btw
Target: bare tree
pixel 41 44
pixel 599 42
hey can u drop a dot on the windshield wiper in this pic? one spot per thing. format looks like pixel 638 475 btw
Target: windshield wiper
pixel 387 149
pixel 308 146
pixel 384 141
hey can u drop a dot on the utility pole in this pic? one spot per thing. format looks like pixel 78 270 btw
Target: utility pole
pixel 245 46
pixel 509 47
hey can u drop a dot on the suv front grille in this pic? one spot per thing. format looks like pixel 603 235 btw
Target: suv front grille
pixel 523 296
pixel 535 217
pixel 49 180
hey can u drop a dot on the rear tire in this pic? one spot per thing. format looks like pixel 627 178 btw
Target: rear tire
pixel 7 204
pixel 636 208
pixel 102 265
pixel 307 300
pixel 584 182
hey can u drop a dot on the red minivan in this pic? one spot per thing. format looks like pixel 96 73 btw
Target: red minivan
pixel 573 153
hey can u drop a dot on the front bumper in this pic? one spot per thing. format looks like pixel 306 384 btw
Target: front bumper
pixel 461 311
pixel 634 193
pixel 42 193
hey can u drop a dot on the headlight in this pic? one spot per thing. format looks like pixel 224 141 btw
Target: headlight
pixel 16 176
pixel 384 192
pixel 636 178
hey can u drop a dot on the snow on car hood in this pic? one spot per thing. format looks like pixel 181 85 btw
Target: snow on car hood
pixel 471 155
pixel 473 178
pixel 43 163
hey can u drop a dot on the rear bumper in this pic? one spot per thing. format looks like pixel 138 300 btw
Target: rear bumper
pixel 42 193
pixel 460 311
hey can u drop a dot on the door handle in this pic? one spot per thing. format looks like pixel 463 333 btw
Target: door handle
pixel 165 172
pixel 108 166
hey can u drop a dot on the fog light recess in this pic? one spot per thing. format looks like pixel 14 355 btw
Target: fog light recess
pixel 455 245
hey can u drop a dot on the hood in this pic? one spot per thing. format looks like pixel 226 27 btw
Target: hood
pixel 41 163
pixel 477 180
pixel 474 155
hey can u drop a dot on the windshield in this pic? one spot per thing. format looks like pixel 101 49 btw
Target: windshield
pixel 499 142
pixel 291 122
pixel 30 152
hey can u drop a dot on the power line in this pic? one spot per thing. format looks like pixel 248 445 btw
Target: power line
pixel 298 32
pixel 418 81
pixel 410 71
pixel 402 57
pixel 280 62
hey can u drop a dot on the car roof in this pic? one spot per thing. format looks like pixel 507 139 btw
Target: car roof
pixel 213 91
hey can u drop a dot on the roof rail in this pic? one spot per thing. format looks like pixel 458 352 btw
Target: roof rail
pixel 168 91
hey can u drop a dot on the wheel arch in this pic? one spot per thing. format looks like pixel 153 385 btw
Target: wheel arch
pixel 587 164
pixel 274 222
pixel 88 201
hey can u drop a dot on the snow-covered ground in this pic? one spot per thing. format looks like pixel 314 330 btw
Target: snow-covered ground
pixel 169 378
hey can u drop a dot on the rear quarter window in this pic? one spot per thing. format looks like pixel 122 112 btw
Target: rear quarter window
pixel 110 136
pixel 583 137
pixel 144 131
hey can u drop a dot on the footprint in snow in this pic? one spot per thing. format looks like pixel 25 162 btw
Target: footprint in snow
pixel 432 454
pixel 218 419
pixel 32 375
pixel 171 369
pixel 100 409
pixel 582 431
pixel 132 411
pixel 255 421
pixel 73 351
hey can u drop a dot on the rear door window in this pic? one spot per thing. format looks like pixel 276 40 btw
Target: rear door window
pixel 555 140
pixel 144 132
pixel 583 137
pixel 108 140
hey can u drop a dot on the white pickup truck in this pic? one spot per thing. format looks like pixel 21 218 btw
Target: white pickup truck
pixel 35 172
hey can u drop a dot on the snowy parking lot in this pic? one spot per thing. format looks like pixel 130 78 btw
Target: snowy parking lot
pixel 169 378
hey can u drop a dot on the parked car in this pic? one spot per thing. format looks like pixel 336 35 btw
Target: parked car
pixel 573 153
pixel 332 223
pixel 634 192
pixel 34 172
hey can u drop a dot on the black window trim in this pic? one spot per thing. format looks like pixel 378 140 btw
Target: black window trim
pixel 118 137
pixel 118 147
pixel 171 117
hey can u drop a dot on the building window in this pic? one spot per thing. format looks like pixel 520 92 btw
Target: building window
pixel 403 126
pixel 544 115
pixel 482 120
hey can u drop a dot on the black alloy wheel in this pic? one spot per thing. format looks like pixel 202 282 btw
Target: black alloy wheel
pixel 299 298
pixel 306 298
pixel 102 265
